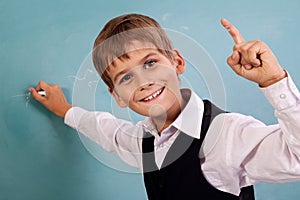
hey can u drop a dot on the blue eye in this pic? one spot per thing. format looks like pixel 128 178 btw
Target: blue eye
pixel 149 64
pixel 125 78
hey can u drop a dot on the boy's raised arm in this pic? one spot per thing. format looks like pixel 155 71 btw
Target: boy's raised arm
pixel 253 60
pixel 54 100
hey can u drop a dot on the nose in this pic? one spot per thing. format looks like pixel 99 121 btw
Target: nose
pixel 143 81
pixel 146 86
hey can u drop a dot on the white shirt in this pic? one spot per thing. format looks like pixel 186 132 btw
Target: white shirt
pixel 238 150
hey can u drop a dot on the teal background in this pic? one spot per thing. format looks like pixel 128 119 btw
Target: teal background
pixel 41 158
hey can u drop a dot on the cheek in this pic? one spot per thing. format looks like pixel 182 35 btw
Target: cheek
pixel 168 69
pixel 126 94
pixel 165 73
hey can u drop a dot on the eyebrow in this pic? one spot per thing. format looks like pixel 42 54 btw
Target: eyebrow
pixel 141 61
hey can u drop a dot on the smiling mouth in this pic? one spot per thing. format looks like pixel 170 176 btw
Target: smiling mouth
pixel 153 96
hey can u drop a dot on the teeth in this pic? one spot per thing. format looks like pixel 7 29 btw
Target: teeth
pixel 153 95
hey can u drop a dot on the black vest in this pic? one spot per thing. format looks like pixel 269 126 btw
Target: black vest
pixel 180 176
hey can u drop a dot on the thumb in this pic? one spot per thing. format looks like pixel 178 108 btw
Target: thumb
pixel 234 62
pixel 35 95
pixel 234 59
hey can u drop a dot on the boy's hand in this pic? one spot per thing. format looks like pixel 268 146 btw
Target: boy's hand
pixel 54 100
pixel 253 60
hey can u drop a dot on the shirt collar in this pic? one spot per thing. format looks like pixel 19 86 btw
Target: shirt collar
pixel 189 120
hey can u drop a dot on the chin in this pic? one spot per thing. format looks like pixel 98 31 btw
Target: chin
pixel 157 111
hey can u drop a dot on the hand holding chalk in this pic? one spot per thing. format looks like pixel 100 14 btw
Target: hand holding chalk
pixel 54 99
pixel 42 92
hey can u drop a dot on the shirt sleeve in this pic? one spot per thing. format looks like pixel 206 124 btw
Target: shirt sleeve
pixel 246 151
pixel 116 136
pixel 284 97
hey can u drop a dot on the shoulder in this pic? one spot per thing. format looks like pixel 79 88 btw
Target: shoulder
pixel 224 121
pixel 224 129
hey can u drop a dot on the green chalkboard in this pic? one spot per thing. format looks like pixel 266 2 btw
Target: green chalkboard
pixel 42 158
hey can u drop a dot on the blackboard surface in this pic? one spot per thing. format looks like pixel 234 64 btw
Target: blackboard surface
pixel 41 158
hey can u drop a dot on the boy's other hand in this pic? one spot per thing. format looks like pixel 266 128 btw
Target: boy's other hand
pixel 253 60
pixel 54 100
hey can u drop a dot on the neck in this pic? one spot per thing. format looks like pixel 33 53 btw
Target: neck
pixel 163 121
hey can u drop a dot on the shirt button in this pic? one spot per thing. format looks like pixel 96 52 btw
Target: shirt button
pixel 282 96
pixel 281 106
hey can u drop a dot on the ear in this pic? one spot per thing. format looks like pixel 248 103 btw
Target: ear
pixel 118 99
pixel 179 62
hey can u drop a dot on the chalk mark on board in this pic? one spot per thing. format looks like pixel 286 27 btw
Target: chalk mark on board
pixel 26 95
pixel 87 73
pixel 91 83
pixel 83 77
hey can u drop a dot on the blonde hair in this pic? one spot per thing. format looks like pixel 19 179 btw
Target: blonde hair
pixel 116 36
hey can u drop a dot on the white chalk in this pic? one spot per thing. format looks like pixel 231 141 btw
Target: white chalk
pixel 42 92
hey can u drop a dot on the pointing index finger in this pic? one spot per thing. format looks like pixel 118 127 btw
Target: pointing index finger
pixel 233 31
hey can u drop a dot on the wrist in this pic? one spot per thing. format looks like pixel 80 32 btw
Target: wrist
pixel 274 80
pixel 64 110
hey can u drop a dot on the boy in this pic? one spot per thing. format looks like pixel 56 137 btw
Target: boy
pixel 138 62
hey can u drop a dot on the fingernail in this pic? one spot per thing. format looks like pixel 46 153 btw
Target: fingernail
pixel 248 66
pixel 234 55
pixel 225 20
pixel 256 65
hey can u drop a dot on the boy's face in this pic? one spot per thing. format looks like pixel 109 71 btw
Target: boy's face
pixel 148 81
